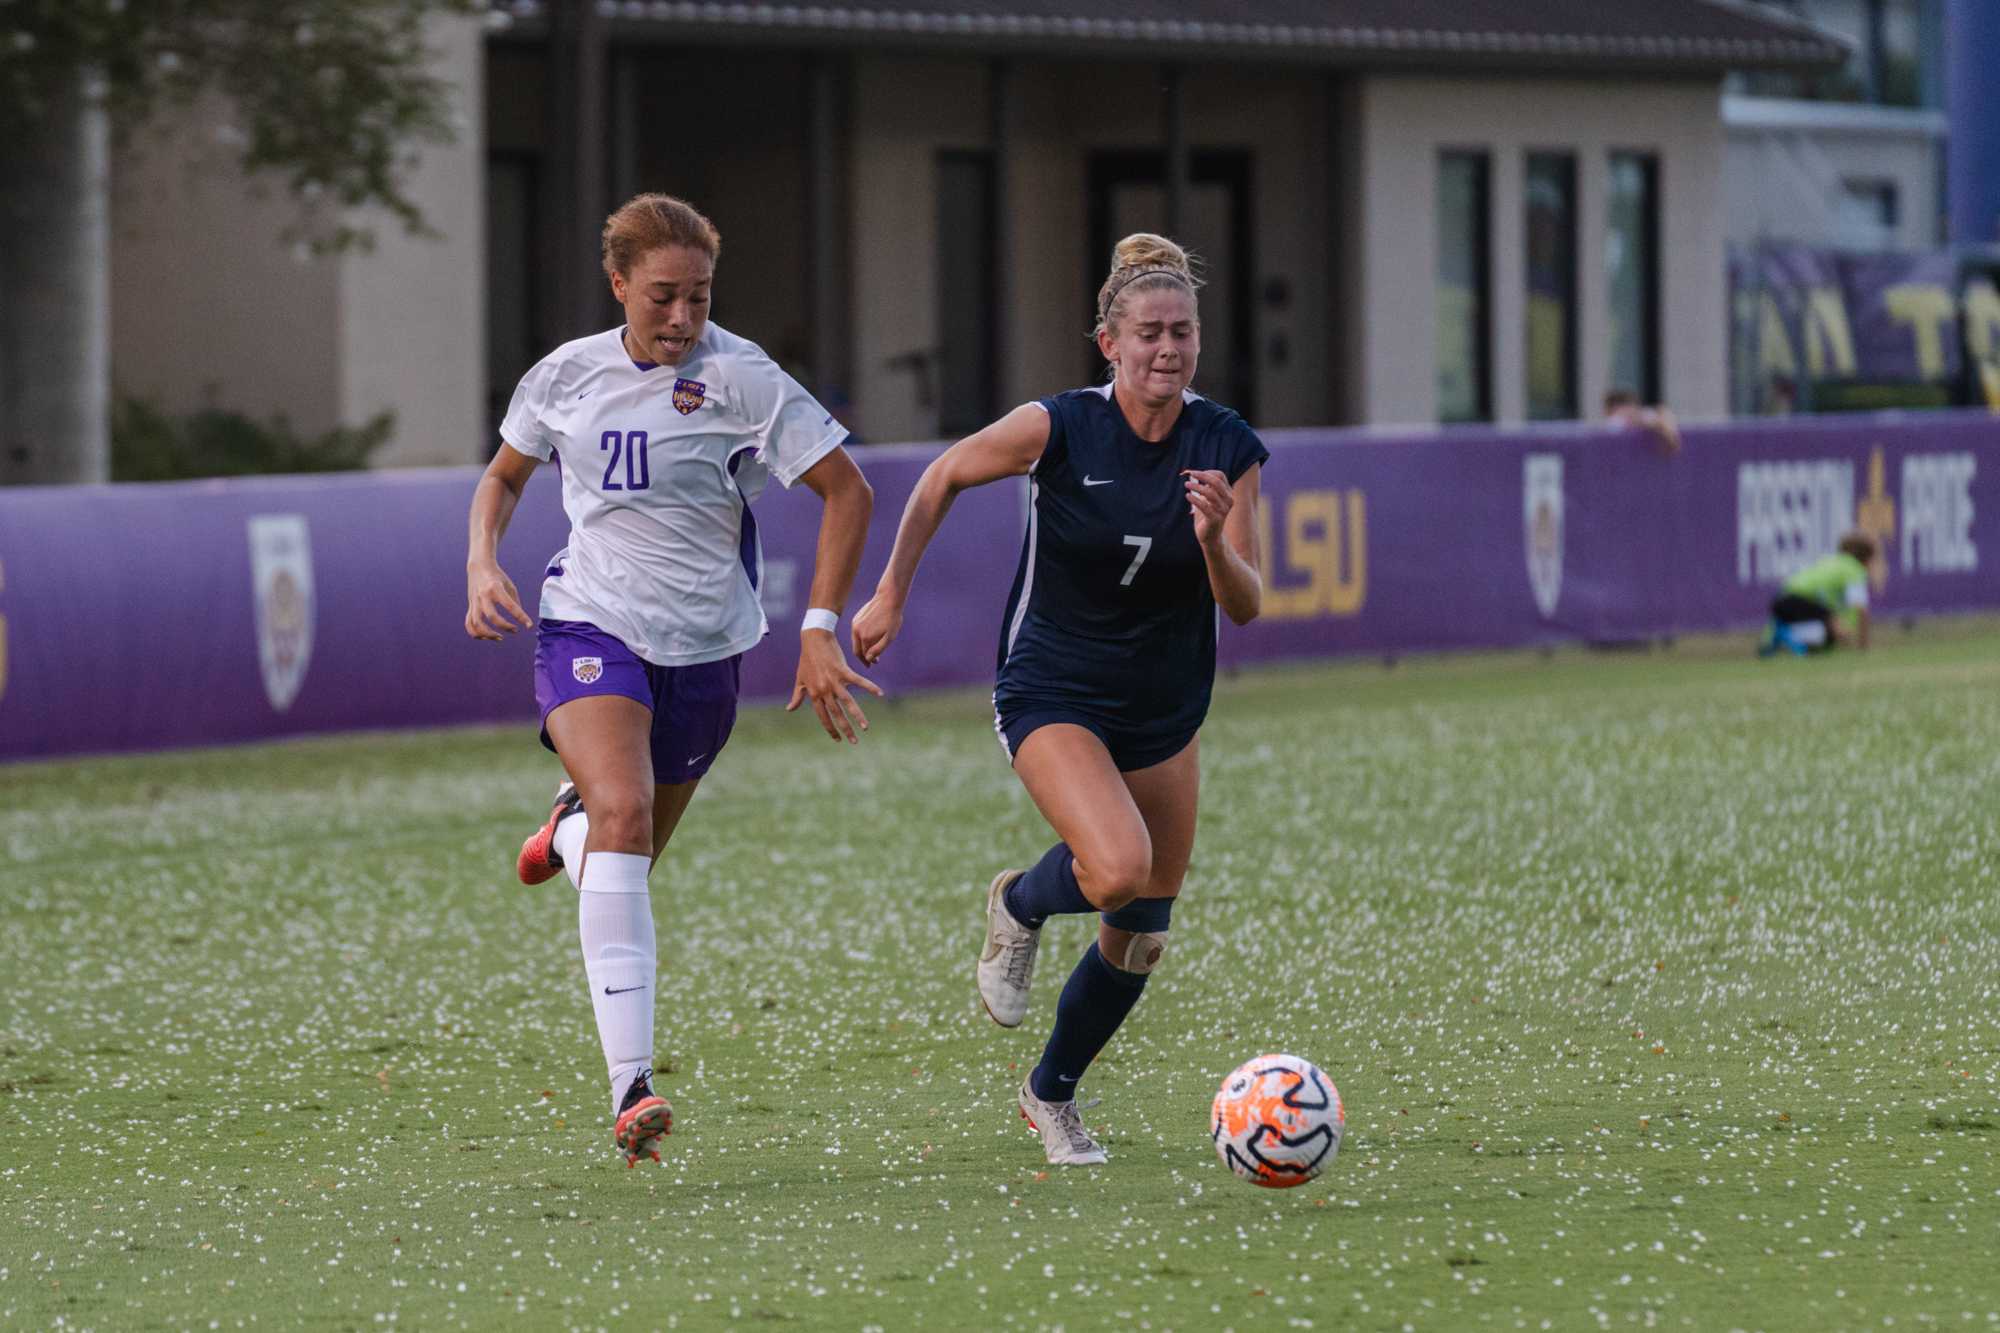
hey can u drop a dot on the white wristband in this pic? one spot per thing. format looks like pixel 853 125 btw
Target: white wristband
pixel 820 618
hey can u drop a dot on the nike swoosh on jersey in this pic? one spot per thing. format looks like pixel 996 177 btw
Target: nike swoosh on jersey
pixel 1098 481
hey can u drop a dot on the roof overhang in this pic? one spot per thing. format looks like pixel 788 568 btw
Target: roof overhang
pixel 1673 37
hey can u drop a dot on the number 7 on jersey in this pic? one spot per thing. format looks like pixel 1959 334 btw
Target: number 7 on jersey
pixel 1144 544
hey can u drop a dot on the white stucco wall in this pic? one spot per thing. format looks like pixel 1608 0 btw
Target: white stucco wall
pixel 1401 123
pixel 1788 165
pixel 210 306
pixel 412 327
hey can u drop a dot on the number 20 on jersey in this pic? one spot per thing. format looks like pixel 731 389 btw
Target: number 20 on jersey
pixel 630 446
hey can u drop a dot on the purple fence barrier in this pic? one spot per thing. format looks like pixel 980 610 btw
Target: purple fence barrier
pixel 1483 538
pixel 138 617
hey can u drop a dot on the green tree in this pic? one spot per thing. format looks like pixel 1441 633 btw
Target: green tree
pixel 331 96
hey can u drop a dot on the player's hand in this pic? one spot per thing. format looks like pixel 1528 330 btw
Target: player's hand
pixel 1210 498
pixel 492 606
pixel 875 627
pixel 824 677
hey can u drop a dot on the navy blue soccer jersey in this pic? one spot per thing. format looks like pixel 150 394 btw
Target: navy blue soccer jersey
pixel 1111 609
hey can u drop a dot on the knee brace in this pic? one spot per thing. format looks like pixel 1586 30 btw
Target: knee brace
pixel 1146 919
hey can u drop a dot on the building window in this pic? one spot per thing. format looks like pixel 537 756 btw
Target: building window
pixel 965 314
pixel 1550 336
pixel 1868 214
pixel 1464 386
pixel 515 339
pixel 1897 53
pixel 1632 273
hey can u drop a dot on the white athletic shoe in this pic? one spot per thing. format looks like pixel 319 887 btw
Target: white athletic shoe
pixel 1007 963
pixel 1060 1124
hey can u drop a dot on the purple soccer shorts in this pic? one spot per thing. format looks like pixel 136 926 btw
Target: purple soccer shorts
pixel 694 707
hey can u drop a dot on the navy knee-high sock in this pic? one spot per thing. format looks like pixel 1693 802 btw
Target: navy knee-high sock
pixel 1049 888
pixel 1094 1002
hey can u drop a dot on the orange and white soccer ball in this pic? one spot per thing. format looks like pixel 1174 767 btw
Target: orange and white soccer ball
pixel 1277 1121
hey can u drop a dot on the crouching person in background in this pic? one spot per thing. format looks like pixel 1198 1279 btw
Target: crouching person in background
pixel 1825 603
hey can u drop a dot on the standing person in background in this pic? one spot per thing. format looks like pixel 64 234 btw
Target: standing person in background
pixel 1143 500
pixel 1623 408
pixel 666 429
pixel 1824 603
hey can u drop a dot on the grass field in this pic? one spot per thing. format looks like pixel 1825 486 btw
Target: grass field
pixel 1662 989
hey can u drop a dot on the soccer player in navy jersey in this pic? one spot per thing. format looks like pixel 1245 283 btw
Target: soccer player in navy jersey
pixel 1143 499
pixel 666 428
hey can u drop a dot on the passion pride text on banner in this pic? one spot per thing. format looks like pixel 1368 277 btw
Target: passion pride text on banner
pixel 1485 538
pixel 146 616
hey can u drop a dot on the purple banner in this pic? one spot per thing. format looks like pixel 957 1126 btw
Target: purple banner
pixel 1802 316
pixel 1904 313
pixel 1486 538
pixel 146 616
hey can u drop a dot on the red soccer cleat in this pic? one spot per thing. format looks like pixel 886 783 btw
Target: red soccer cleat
pixel 538 860
pixel 645 1119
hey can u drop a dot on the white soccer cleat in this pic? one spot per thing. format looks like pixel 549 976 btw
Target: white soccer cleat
pixel 1060 1124
pixel 1007 963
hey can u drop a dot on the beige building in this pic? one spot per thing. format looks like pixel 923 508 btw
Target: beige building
pixel 1849 156
pixel 212 305
pixel 1478 212
pixel 1841 175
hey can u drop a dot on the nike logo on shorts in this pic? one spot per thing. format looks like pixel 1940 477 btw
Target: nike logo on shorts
pixel 694 759
pixel 1067 1078
pixel 1094 481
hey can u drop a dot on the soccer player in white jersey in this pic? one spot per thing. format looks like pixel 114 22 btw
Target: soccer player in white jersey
pixel 664 430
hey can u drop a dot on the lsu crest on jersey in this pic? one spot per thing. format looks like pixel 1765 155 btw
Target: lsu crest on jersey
pixel 659 467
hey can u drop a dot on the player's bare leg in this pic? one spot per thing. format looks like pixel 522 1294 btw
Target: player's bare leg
pixel 1067 770
pixel 670 802
pixel 604 742
pixel 1070 776
pixel 1168 796
pixel 1118 818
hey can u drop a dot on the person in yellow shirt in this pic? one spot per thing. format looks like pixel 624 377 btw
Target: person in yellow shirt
pixel 1825 603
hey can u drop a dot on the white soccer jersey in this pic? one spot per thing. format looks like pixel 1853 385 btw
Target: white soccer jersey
pixel 659 466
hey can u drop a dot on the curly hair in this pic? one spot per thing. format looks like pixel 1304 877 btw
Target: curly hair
pixel 647 222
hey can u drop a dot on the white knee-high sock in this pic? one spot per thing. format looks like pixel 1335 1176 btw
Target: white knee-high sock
pixel 568 843
pixel 614 920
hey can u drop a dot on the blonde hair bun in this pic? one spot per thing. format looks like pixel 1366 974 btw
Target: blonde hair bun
pixel 1144 249
pixel 1142 261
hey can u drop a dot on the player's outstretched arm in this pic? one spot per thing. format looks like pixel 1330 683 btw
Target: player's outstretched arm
pixel 824 676
pixel 1225 523
pixel 1007 448
pixel 492 604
